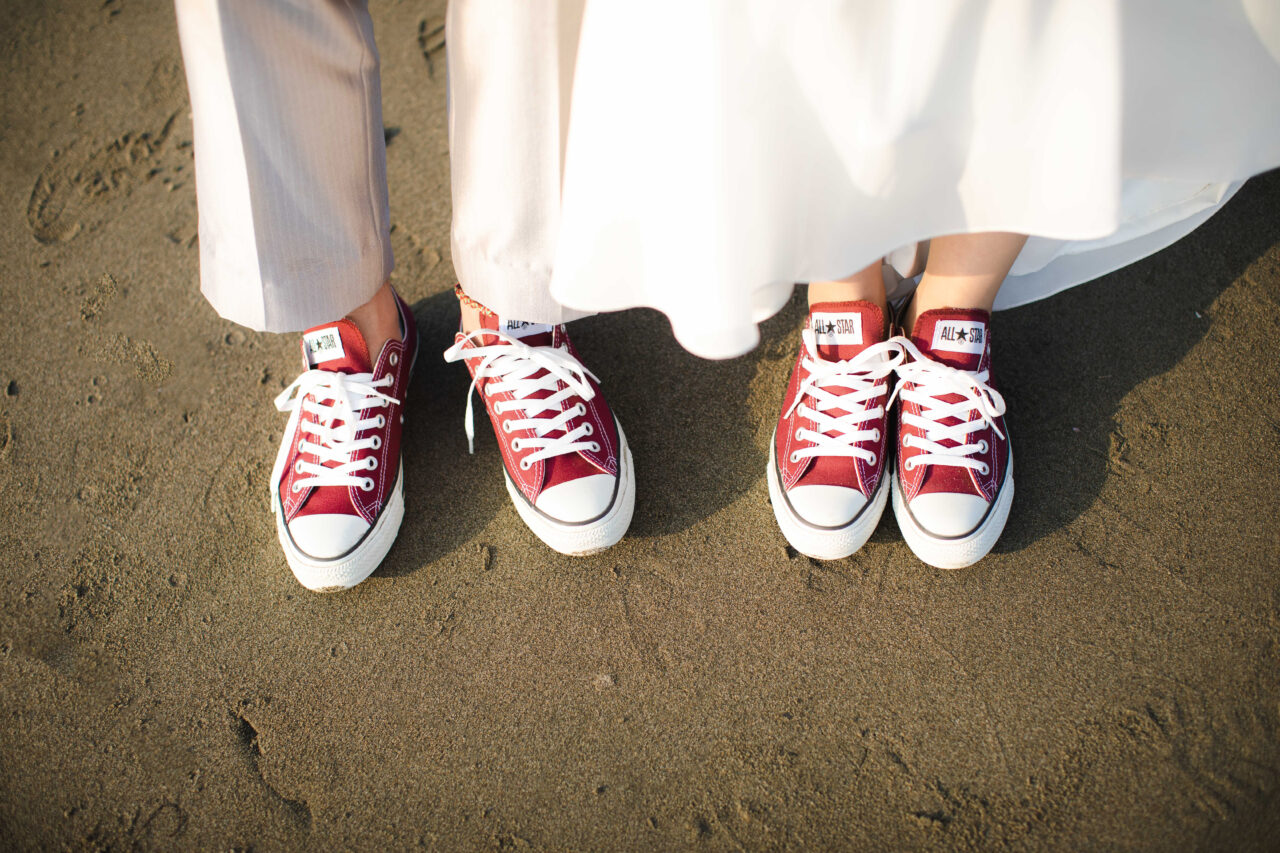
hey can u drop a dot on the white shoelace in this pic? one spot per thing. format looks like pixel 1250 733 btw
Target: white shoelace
pixel 332 397
pixel 979 407
pixel 843 435
pixel 514 364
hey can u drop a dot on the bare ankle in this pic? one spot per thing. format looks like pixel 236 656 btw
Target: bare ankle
pixel 867 285
pixel 378 320
pixel 473 312
pixel 928 300
pixel 470 318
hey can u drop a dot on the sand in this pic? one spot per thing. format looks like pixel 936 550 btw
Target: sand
pixel 1107 679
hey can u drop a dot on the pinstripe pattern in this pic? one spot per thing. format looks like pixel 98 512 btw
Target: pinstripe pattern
pixel 291 160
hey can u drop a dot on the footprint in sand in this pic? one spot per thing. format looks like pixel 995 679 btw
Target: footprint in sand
pixel 74 182
pixel 1228 756
pixel 430 41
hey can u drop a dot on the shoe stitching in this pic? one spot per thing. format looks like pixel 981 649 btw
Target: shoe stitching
pixel 866 473
pixel 914 482
pixel 466 341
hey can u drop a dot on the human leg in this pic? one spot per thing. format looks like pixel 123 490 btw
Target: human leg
pixel 566 462
pixel 291 189
pixel 827 455
pixel 290 159
pixel 379 319
pixel 510 77
pixel 865 285
pixel 964 271
pixel 953 483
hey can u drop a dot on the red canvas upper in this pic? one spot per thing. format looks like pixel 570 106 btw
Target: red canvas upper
pixel 841 331
pixel 555 470
pixel 961 339
pixel 395 360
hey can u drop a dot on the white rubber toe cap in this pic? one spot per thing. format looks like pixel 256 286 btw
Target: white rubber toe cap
pixel 578 500
pixel 326 536
pixel 948 514
pixel 826 506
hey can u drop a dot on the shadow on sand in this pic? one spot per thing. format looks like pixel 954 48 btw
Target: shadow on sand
pixel 1065 364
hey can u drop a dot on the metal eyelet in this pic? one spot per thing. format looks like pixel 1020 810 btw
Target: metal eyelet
pixel 506 427
pixel 795 457
pixel 371 462
pixel 873 458
pixel 295 488
pixel 515 444
pixel 394 358
pixel 590 430
pixel 582 409
pixel 797 435
pixel 377 442
pixel 297 467
pixel 984 470
pixel 982 446
pixel 381 421
pixel 875 436
pixel 594 447
pixel 367 485
pixel 525 464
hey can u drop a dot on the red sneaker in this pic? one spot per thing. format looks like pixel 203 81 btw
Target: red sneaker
pixel 567 466
pixel 827 456
pixel 954 479
pixel 337 488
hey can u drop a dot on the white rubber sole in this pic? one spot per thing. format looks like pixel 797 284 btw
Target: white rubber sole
pixel 962 551
pixel 824 543
pixel 588 537
pixel 357 564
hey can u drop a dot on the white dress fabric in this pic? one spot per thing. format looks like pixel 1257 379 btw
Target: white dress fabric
pixel 719 152
pixel 510 77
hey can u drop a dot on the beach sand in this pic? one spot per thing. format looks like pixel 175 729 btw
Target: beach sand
pixel 1106 679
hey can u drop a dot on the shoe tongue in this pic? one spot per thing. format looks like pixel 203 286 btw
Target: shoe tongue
pixel 953 336
pixel 533 334
pixel 838 331
pixel 338 347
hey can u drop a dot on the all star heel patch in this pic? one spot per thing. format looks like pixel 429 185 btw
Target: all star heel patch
pixel 523 328
pixel 836 329
pixel 968 336
pixel 323 345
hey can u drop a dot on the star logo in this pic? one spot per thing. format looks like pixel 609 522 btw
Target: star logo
pixel 962 335
pixel 831 327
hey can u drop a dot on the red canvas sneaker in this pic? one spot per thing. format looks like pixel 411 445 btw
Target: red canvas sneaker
pixel 567 466
pixel 954 479
pixel 337 487
pixel 827 456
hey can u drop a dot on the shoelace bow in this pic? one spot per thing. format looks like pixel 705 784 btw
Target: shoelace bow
pixel 337 400
pixel 931 380
pixel 523 371
pixel 842 435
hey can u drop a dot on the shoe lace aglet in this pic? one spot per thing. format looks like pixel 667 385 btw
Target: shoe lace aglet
pixel 469 422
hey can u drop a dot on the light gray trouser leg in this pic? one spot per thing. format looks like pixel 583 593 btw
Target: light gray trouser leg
pixel 290 158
